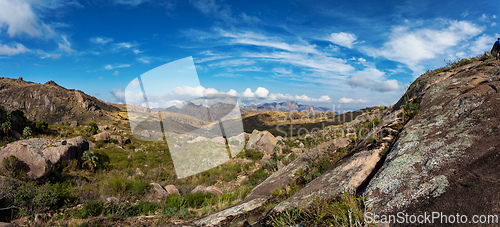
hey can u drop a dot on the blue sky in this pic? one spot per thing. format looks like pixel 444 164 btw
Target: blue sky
pixel 342 54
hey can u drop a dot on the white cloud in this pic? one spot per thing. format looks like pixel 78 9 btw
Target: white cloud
pixel 101 40
pixel 373 79
pixel 109 67
pixel 101 78
pixel 261 93
pixel 493 24
pixel 66 48
pixel 136 51
pixel 412 45
pixel 345 100
pixel 47 55
pixel 251 38
pixel 313 62
pixel 232 63
pixel 144 60
pixel 130 2
pixel 116 73
pixel 343 39
pixel 232 92
pixel 19 17
pixel 125 45
pixel 248 94
pixel 13 50
pixel 481 44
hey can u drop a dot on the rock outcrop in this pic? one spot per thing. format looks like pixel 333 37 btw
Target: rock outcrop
pixel 38 156
pixel 446 158
pixel 261 141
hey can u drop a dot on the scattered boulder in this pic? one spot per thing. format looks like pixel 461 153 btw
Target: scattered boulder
pixel 117 138
pixel 262 141
pixel 38 156
pixel 103 128
pixel 171 189
pixel 198 139
pixel 112 200
pixel 210 189
pixel 213 190
pixel 219 139
pixel 126 140
pixel 103 136
pixel 139 172
pixel 159 191
pixel 74 123
pixel 145 133
pixel 91 144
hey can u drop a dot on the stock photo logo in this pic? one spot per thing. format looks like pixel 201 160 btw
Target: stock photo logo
pixel 203 129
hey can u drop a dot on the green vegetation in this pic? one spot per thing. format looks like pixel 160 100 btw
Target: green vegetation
pixel 411 109
pixel 93 128
pixel 347 210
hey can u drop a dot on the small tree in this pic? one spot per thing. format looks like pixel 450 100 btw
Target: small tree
pixel 93 128
pixel 6 127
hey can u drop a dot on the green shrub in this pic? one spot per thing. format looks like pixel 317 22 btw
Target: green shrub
pixel 93 128
pixel 27 133
pixel 90 161
pixel 12 164
pixel 41 126
pixel 251 154
pixel 411 109
pixel 270 165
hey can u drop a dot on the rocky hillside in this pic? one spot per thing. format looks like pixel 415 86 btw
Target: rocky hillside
pixel 436 149
pixel 52 103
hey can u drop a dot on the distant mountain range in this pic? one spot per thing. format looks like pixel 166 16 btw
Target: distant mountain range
pixel 288 106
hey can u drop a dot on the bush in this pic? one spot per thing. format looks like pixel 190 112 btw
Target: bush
pixel 90 161
pixel 27 133
pixel 251 154
pixel 41 126
pixel 270 165
pixel 92 130
pixel 411 109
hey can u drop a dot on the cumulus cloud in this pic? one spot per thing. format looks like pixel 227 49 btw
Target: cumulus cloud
pixel 374 79
pixel 19 17
pixel 343 39
pixel 12 50
pixel 345 100
pixel 411 45
pixel 261 93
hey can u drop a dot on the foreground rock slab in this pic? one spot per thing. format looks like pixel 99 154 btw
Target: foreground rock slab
pixel 38 156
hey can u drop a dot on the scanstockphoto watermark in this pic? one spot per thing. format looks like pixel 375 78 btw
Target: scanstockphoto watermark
pixel 430 218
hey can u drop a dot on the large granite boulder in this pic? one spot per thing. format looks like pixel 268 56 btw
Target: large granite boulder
pixel 38 156
pixel 262 141
pixel 103 136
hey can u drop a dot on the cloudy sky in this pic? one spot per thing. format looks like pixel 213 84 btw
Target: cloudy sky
pixel 344 54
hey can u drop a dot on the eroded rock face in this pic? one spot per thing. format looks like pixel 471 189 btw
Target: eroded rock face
pixel 446 158
pixel 261 141
pixel 38 156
